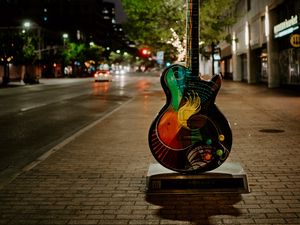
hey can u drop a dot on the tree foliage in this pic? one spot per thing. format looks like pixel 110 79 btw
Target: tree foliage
pixel 80 52
pixel 16 47
pixel 72 51
pixel 76 55
pixel 94 53
pixel 29 49
pixel 215 17
pixel 149 21
pixel 21 48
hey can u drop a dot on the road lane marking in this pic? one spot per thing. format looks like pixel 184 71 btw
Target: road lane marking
pixel 25 109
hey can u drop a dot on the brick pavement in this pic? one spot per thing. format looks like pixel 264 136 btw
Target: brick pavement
pixel 99 176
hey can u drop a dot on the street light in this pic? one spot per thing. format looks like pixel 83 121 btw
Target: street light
pixel 65 36
pixel 26 26
pixel 92 44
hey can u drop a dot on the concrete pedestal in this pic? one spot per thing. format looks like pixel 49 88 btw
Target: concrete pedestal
pixel 229 177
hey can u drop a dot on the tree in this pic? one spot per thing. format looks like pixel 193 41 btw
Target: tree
pixel 16 48
pixel 8 51
pixel 29 49
pixel 215 17
pixel 76 54
pixel 70 53
pixel 149 22
pixel 28 57
pixel 94 53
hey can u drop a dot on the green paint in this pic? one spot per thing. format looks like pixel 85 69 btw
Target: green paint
pixel 176 93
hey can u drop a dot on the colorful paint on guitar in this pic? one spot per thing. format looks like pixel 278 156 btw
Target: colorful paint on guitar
pixel 190 134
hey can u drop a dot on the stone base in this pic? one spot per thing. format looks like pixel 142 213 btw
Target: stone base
pixel 229 177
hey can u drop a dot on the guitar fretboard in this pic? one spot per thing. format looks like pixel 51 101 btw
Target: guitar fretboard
pixel 192 26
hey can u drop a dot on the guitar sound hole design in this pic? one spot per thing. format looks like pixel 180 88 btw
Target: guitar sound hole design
pixel 190 134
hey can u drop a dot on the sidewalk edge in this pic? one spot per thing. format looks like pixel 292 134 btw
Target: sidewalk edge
pixel 57 147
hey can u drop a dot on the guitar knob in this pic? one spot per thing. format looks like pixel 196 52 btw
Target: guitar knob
pixel 207 157
pixel 221 137
pixel 208 141
pixel 219 152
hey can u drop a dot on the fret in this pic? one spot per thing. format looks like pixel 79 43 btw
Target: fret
pixel 192 25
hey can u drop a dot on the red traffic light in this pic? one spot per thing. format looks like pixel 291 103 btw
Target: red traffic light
pixel 145 52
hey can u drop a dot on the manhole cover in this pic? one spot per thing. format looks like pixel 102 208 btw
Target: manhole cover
pixel 271 130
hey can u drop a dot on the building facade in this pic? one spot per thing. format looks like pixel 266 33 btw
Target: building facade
pixel 265 43
pixel 54 23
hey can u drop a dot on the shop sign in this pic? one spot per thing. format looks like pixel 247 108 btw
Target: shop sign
pixel 295 40
pixel 286 27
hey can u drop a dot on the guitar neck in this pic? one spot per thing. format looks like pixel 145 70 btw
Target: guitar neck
pixel 192 26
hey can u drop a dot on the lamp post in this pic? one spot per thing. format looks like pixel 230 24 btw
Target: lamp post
pixel 32 32
pixel 65 37
pixel 64 71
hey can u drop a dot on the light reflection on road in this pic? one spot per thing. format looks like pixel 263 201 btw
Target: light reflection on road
pixel 100 88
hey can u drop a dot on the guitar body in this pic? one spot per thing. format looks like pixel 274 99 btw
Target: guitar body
pixel 190 134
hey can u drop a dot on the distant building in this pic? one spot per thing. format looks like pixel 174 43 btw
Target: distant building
pixel 81 19
pixel 265 43
pixel 54 21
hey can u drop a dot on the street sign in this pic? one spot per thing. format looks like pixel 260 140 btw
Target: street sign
pixel 160 57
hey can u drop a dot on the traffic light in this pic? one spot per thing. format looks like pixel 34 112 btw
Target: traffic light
pixel 145 52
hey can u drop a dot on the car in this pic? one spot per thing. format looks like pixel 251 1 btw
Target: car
pixel 102 75
pixel 119 72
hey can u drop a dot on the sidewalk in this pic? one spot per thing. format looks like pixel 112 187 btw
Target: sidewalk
pixel 99 176
pixel 46 81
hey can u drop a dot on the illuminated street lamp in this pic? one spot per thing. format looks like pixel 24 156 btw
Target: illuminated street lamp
pixel 26 26
pixel 65 36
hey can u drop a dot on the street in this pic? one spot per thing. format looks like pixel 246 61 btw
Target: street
pixel 35 118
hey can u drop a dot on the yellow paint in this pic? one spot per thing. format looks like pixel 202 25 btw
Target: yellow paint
pixel 191 107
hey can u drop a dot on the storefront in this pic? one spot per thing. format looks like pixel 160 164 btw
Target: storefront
pixel 287 36
pixel 261 66
pixel 226 62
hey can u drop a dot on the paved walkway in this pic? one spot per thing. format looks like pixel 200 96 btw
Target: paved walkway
pixel 99 175
pixel 47 81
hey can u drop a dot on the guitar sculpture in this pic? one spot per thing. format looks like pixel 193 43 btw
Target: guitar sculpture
pixel 190 134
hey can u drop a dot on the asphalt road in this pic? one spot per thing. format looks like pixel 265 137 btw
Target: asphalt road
pixel 35 118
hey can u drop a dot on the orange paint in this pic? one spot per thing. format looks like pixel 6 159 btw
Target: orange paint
pixel 207 157
pixel 168 130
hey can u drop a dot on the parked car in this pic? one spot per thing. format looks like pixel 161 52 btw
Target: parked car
pixel 103 75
